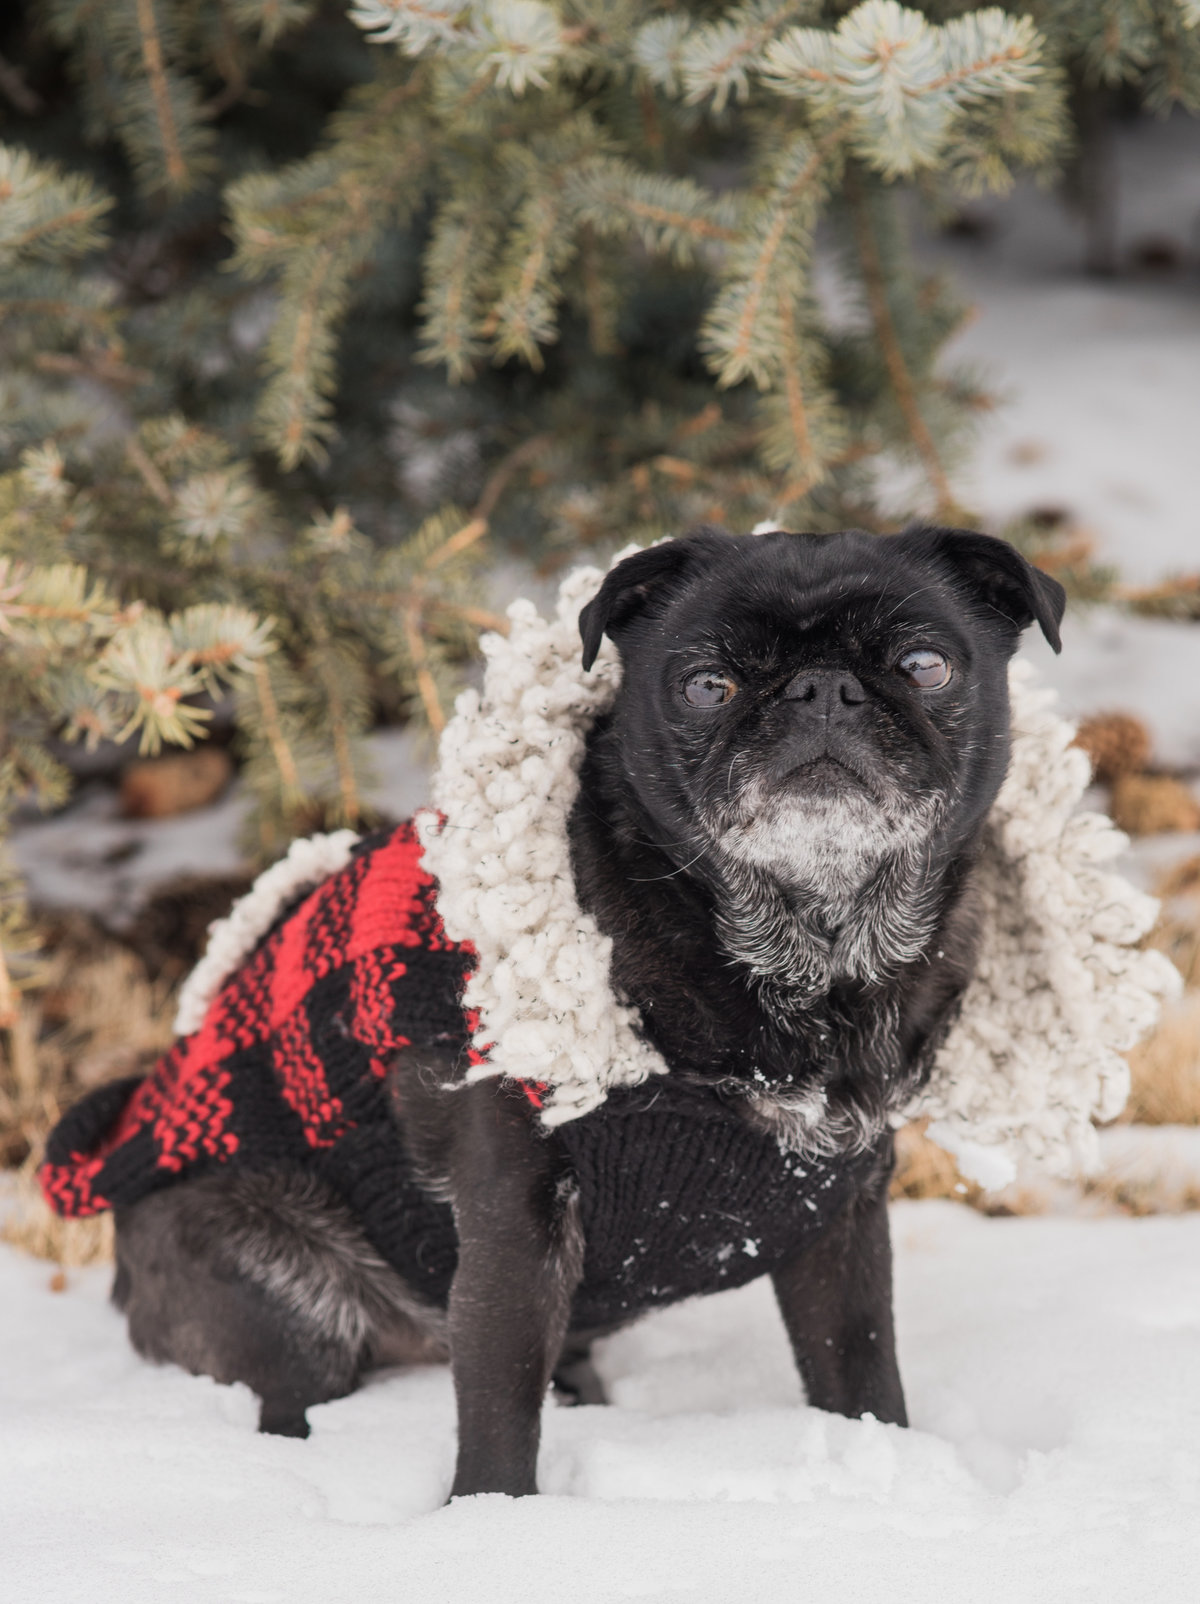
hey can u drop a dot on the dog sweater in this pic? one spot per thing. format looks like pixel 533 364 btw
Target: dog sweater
pixel 678 1195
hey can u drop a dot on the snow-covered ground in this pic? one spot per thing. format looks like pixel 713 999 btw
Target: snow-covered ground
pixel 1053 1375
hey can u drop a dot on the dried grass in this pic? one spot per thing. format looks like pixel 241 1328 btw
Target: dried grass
pixel 95 1017
pixel 923 1169
pixel 29 1225
pixel 1142 1195
pixel 1166 1069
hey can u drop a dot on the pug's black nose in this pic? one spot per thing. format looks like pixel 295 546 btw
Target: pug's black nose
pixel 827 694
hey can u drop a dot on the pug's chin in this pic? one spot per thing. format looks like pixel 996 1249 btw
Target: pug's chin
pixel 820 830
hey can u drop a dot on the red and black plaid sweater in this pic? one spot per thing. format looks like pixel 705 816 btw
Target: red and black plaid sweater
pixel 678 1194
pixel 288 1067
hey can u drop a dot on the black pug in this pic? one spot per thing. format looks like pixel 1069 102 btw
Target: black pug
pixel 776 825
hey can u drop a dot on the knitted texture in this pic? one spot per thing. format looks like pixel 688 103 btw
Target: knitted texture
pixel 506 779
pixel 679 1196
pixel 288 1065
pixel 235 937
pixel 1060 990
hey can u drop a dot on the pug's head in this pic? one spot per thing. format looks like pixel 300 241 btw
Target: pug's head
pixel 806 710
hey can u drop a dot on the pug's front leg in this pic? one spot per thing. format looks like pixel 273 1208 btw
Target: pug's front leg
pixel 836 1302
pixel 520 1258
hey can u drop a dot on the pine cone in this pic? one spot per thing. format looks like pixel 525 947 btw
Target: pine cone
pixel 155 788
pixel 1145 804
pixel 1117 744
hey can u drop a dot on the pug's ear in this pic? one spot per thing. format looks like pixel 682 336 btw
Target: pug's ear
pixel 630 585
pixel 998 575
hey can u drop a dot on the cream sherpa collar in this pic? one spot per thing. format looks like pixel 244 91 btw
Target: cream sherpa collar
pixel 1059 993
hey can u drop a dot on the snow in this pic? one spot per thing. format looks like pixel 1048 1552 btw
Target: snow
pixel 1146 666
pixel 1096 379
pixel 91 858
pixel 1055 1451
pixel 1096 385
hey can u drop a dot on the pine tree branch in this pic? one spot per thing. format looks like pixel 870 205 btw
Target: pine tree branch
pixel 770 262
pixel 739 357
pixel 103 366
pixel 477 617
pixel 228 62
pixel 701 228
pixel 342 755
pixel 875 283
pixel 36 233
pixel 9 1006
pixel 416 599
pixel 156 73
pixel 97 317
pixel 793 389
pixel 151 477
pixel 707 418
pixel 285 762
pixel 514 312
pixel 669 215
pixel 297 426
pixel 465 537
pixel 715 58
pixel 461 242
pixel 973 69
pixel 418 653
pixel 498 479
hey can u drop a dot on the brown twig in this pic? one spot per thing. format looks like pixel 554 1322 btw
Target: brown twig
pixel 156 72
pixel 9 1008
pixel 228 65
pixel 677 468
pixel 517 317
pixel 748 43
pixel 875 284
pixel 419 657
pixel 458 542
pixel 797 489
pixel 343 757
pixel 703 421
pixel 295 427
pixel 771 245
pixel 794 391
pixel 153 479
pixel 99 317
pixel 698 227
pixel 480 617
pixel 107 369
pixel 497 480
pixel 280 750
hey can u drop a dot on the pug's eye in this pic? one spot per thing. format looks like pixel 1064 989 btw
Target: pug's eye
pixel 928 670
pixel 707 689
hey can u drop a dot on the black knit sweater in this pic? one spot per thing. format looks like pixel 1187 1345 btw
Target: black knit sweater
pixel 678 1194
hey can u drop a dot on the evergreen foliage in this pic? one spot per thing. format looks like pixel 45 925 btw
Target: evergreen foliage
pixel 296 307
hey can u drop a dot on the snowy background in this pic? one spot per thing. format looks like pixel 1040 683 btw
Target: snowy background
pixel 1052 1364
